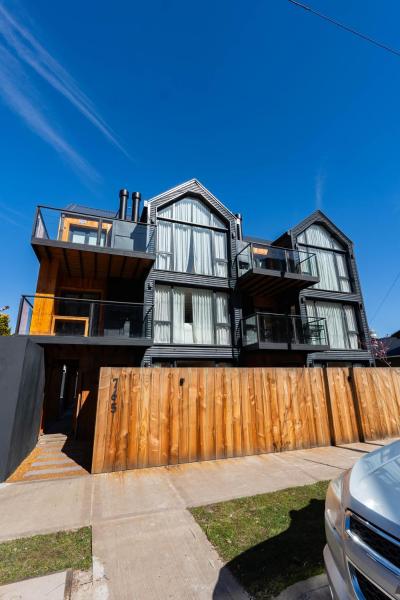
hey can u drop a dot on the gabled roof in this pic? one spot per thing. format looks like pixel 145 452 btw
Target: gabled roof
pixel 96 212
pixel 192 186
pixel 319 217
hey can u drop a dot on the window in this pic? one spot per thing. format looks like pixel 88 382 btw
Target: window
pixel 85 235
pixel 191 316
pixel 341 323
pixel 194 245
pixel 331 263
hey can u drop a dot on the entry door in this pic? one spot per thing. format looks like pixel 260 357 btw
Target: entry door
pixel 60 397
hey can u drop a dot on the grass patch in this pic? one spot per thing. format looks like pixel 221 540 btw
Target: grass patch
pixel 269 541
pixel 44 554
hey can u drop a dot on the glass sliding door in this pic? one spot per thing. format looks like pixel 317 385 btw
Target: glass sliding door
pixel 341 323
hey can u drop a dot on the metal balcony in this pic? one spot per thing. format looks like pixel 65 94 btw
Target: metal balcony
pixel 54 319
pixel 265 269
pixel 87 245
pixel 270 331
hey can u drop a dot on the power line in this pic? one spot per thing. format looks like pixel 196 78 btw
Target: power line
pixel 386 296
pixel 346 27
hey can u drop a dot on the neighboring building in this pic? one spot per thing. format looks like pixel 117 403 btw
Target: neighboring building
pixel 179 285
pixel 391 346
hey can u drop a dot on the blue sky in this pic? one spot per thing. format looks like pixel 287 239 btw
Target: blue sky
pixel 271 108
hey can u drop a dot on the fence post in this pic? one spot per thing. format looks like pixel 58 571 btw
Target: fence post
pixel 329 407
pixel 356 404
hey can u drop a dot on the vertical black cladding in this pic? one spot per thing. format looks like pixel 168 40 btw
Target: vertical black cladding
pixel 136 196
pixel 123 203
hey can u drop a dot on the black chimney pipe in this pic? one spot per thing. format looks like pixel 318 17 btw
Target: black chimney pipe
pixel 136 196
pixel 123 203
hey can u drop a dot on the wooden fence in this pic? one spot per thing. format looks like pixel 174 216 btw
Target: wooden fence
pixel 151 417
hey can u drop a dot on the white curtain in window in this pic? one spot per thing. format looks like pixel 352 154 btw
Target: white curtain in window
pixel 183 210
pixel 182 235
pixel 327 271
pixel 220 267
pixel 203 324
pixel 164 248
pixel 351 326
pixel 202 251
pixel 343 273
pixel 201 213
pixel 162 316
pixel 167 211
pixel 333 314
pixel 222 333
pixel 178 315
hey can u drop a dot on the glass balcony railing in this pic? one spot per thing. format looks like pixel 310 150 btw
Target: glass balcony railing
pixel 274 258
pixel 270 328
pixel 63 316
pixel 90 230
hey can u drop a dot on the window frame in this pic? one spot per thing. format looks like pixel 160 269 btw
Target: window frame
pixel 192 225
pixel 226 325
pixel 335 252
pixel 345 323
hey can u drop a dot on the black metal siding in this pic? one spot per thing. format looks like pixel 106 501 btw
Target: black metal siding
pixel 194 189
pixel 354 298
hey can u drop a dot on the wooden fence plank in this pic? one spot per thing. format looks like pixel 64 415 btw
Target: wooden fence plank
pixel 147 417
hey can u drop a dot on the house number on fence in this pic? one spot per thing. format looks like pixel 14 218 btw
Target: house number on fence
pixel 114 396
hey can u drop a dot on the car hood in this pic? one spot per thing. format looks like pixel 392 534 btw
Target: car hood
pixel 373 488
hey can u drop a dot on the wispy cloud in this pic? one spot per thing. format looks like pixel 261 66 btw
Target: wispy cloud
pixel 23 59
pixel 319 188
pixel 21 97
pixel 32 52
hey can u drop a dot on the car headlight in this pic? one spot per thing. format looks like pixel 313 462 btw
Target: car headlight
pixel 333 503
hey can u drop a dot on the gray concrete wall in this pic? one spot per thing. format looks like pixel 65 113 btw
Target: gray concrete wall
pixel 21 400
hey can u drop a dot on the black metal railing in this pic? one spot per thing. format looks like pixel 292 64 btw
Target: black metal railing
pixel 64 316
pixel 274 328
pixel 285 260
pixel 91 230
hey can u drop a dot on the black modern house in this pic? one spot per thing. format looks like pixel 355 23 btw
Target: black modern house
pixel 177 283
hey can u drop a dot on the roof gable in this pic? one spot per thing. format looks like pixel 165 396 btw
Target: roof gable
pixel 319 217
pixel 190 188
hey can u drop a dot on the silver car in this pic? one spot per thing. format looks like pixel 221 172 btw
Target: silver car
pixel 362 522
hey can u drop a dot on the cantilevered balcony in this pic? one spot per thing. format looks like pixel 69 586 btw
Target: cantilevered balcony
pixel 270 331
pixel 53 319
pixel 265 269
pixel 87 245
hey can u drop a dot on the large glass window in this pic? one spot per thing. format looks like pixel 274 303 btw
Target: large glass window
pixel 331 262
pixel 197 244
pixel 191 316
pixel 85 235
pixel 341 323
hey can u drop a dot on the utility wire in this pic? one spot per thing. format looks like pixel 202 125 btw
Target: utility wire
pixel 345 27
pixel 386 296
pixel 379 45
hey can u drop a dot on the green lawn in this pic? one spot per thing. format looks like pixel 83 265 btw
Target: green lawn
pixel 269 541
pixel 44 554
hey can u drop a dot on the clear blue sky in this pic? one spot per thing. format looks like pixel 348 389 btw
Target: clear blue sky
pixel 272 109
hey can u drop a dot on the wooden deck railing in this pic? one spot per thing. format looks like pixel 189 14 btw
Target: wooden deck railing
pixel 151 417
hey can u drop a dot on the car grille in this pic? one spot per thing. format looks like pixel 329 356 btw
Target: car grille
pixel 380 542
pixel 368 590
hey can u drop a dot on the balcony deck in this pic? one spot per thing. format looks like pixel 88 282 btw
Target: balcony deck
pixel 270 331
pixel 61 320
pixel 90 246
pixel 269 270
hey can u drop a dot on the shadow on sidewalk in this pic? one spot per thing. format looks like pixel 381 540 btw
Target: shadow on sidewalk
pixel 293 555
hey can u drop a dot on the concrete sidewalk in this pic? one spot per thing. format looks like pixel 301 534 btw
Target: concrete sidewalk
pixel 145 544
